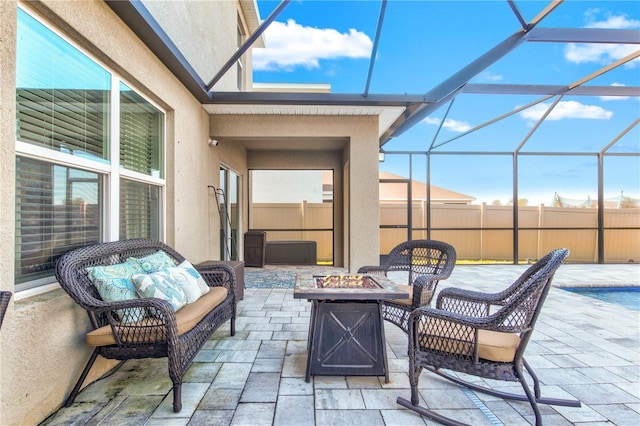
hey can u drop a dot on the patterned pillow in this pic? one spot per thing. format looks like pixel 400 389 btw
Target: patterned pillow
pixel 114 283
pixel 189 280
pixel 204 288
pixel 154 262
pixel 161 286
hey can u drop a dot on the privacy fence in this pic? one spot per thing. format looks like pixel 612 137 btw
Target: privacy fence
pixel 482 233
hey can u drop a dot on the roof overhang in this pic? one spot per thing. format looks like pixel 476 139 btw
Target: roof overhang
pixel 387 115
pixel 388 108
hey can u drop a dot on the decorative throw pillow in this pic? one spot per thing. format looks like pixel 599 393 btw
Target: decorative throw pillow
pixel 114 283
pixel 154 262
pixel 161 286
pixel 187 266
pixel 189 280
pixel 186 282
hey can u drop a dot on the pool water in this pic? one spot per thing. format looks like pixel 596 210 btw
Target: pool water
pixel 629 297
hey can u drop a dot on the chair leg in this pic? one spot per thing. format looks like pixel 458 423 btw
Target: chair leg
pixel 83 376
pixel 530 396
pixel 233 325
pixel 536 382
pixel 415 394
pixel 414 378
pixel 177 397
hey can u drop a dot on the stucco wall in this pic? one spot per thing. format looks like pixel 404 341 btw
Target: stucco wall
pixel 7 179
pixel 359 234
pixel 206 35
pixel 42 350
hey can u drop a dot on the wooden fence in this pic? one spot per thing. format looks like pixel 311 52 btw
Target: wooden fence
pixel 478 232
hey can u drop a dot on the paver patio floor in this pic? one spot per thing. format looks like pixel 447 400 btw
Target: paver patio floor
pixel 582 348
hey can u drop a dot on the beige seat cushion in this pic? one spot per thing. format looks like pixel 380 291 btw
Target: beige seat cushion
pixel 150 331
pixel 492 345
pixel 497 346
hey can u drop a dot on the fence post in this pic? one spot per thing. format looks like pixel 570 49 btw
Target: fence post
pixel 483 217
pixel 539 242
pixel 303 213
pixel 423 218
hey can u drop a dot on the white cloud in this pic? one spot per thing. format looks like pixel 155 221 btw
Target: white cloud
pixel 450 124
pixel 567 109
pixel 603 53
pixel 487 76
pixel 598 53
pixel 620 22
pixel 290 45
pixel 615 98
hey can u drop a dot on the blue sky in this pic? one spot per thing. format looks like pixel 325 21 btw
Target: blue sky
pixel 424 42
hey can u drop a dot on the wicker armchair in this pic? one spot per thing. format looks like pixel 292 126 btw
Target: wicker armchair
pixel 483 335
pixel 5 296
pixel 157 331
pixel 427 262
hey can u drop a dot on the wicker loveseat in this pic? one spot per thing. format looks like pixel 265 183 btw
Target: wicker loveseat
pixel 147 327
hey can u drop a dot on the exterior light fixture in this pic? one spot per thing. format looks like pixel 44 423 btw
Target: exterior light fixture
pixel 381 155
pixel 213 142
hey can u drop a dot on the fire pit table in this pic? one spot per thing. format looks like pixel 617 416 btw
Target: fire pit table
pixel 346 329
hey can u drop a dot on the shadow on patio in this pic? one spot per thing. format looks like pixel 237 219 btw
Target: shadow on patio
pixel 582 348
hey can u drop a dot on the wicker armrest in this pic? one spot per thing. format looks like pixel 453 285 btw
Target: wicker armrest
pixel 464 294
pixel 219 275
pixel 160 308
pixel 466 302
pixel 492 322
pixel 141 321
pixel 427 313
pixel 424 288
pixel 442 331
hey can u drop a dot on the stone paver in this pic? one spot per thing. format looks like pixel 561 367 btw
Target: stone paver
pixel 582 348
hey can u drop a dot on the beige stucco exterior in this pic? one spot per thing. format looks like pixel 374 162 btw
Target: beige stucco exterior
pixel 42 350
pixel 307 142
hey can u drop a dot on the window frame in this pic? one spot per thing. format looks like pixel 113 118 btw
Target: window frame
pixel 110 171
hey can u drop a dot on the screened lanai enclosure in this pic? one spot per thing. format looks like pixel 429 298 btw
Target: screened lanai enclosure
pixel 505 166
pixel 505 145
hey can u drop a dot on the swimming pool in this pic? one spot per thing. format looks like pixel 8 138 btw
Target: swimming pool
pixel 629 297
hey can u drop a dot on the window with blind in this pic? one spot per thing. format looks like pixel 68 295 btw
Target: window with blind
pixel 58 208
pixel 141 136
pixel 64 101
pixel 139 210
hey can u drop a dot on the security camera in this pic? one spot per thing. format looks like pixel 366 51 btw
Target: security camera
pixel 213 142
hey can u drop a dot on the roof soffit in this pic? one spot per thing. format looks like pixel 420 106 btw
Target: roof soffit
pixel 386 114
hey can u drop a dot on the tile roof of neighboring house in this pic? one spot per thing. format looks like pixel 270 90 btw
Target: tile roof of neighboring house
pixel 419 191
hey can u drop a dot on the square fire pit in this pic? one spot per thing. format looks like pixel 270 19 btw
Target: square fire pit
pixel 346 330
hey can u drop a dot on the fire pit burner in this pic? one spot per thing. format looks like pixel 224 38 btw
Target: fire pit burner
pixel 345 281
